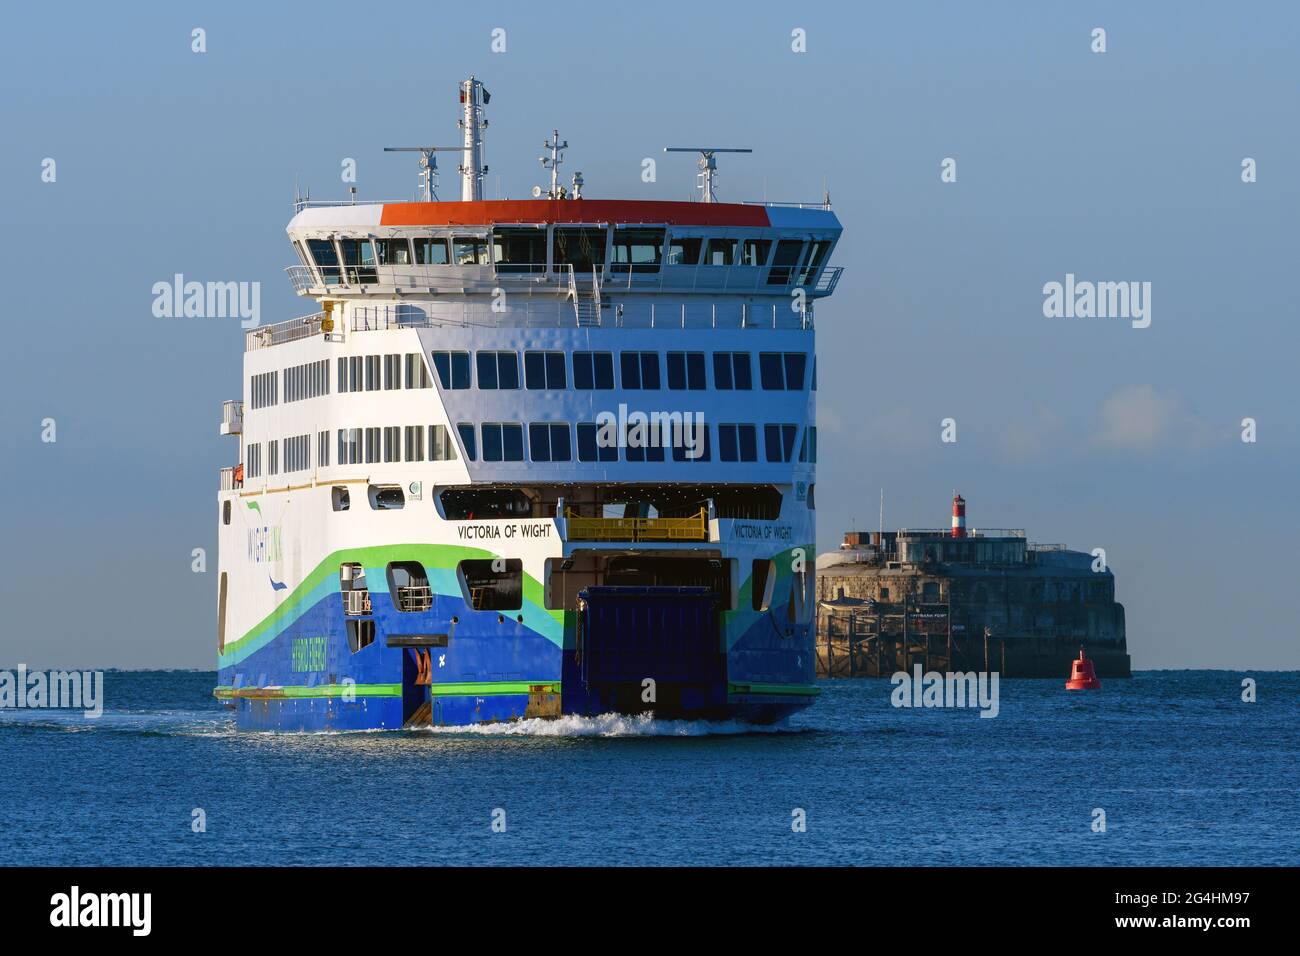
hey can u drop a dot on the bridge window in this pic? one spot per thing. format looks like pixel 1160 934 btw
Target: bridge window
pixel 441 447
pixel 783 263
pixel 731 371
pixel 684 250
pixel 544 370
pixel 327 260
pixel 584 249
pixel 452 368
pixel 754 252
pixel 813 260
pixel 640 370
pixel 720 252
pixel 637 250
pixel 686 371
pixel 431 252
pixel 549 441
pixel 492 585
pixel 503 441
pixel 589 446
pixel 359 261
pixel 519 250
pixel 394 252
pixel 593 370
pixel 779 442
pixel 470 250
pixel 737 443
pixel 498 370
pixel 466 432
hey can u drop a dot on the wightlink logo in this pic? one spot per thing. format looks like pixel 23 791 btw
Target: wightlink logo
pixel 55 690
pixel 208 300
pixel 1100 300
pixel 951 689
pixel 637 429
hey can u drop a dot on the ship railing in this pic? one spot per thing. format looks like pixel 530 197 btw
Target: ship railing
pixel 1036 546
pixel 560 313
pixel 228 482
pixel 414 597
pixel 266 336
pixel 970 533
pixel 356 602
pixel 692 528
pixel 302 279
pixel 818 204
pixel 232 416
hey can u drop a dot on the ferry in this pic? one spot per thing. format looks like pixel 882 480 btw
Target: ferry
pixel 527 459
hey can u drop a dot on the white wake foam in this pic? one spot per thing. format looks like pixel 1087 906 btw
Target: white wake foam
pixel 612 725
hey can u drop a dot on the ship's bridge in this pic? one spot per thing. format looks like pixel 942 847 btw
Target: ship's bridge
pixel 561 248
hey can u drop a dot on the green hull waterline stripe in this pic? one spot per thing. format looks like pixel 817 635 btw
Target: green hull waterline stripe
pixel 788 690
pixel 480 689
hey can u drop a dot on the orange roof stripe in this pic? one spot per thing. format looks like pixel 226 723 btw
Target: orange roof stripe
pixel 490 211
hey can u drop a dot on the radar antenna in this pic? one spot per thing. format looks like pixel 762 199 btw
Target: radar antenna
pixel 428 167
pixel 708 164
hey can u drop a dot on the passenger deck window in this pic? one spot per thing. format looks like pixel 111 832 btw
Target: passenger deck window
pixel 499 370
pixel 731 371
pixel 466 432
pixel 503 441
pixel 431 252
pixel 737 443
pixel 808 447
pixel 452 368
pixel 589 446
pixel 593 370
pixel 544 370
pixel 640 370
pixel 691 442
pixel 778 441
pixel 686 371
pixel 782 370
pixel 441 447
pixel 549 441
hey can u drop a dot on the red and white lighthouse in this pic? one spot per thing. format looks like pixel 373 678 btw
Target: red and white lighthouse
pixel 958 516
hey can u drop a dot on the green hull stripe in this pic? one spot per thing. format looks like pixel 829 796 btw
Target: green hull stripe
pixel 800 690
pixel 481 689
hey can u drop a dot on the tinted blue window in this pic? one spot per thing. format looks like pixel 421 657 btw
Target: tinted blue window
pixel 466 432
pixel 588 447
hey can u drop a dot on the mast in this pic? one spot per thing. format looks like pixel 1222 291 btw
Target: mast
pixel 473 123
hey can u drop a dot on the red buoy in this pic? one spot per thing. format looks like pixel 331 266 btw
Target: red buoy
pixel 1082 676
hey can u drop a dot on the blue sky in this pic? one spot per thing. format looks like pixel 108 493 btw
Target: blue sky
pixel 1117 166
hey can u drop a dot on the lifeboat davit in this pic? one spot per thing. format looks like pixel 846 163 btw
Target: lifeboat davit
pixel 1082 676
